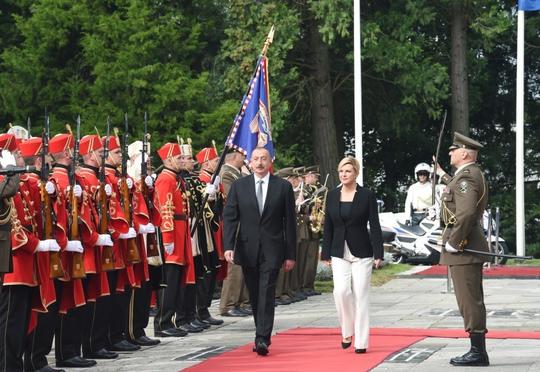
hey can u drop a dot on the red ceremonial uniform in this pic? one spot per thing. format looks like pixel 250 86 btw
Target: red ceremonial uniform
pixel 72 289
pixel 171 201
pixel 141 216
pixel 125 270
pixel 29 187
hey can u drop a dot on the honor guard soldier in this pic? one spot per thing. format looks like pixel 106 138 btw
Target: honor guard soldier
pixel 303 202
pixel 171 201
pixel 72 306
pixel 19 284
pixel 208 160
pixel 315 210
pixel 234 299
pixel 96 214
pixel 9 186
pixel 463 202
pixel 186 311
pixel 49 268
pixel 143 214
pixel 122 278
pixel 283 293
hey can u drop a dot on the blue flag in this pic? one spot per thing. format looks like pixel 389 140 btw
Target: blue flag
pixel 251 126
pixel 528 5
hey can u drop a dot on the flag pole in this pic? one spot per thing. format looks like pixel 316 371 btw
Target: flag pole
pixel 520 162
pixel 267 42
pixel 358 143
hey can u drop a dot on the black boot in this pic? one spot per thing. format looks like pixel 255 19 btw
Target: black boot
pixel 477 356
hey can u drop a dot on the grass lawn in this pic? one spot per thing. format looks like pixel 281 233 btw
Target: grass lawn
pixel 533 262
pixel 379 277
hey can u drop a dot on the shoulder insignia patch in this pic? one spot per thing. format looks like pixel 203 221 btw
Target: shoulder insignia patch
pixel 463 187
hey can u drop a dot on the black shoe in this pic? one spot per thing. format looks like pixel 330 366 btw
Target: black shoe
pixel 262 348
pixel 189 328
pixel 283 301
pixel 102 354
pixel 477 355
pixel 311 292
pixel 345 345
pixel 201 324
pixel 170 332
pixel 234 313
pixel 48 368
pixel 248 312
pixel 76 362
pixel 124 345
pixel 360 351
pixel 145 341
pixel 299 296
pixel 212 321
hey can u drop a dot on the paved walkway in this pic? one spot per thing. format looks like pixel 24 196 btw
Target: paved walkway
pixel 404 302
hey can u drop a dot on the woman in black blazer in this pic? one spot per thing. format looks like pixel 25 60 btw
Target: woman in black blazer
pixel 352 251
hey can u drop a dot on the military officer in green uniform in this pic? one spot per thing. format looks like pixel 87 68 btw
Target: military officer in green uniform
pixel 464 200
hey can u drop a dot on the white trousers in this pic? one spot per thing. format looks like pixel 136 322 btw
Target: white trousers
pixel 352 277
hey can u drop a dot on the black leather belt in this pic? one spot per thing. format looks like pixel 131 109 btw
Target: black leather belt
pixel 180 217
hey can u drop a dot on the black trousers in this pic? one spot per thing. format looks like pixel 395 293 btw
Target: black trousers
pixel 68 336
pixel 261 284
pixel 139 310
pixel 96 330
pixel 39 342
pixel 186 305
pixel 169 296
pixel 15 307
pixel 119 309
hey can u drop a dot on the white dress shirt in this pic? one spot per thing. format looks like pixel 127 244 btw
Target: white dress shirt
pixel 265 180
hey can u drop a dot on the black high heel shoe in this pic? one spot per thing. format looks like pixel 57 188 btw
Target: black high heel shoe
pixel 360 351
pixel 345 345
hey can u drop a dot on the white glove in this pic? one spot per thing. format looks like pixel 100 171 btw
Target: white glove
pixel 169 248
pixel 104 240
pixel 149 181
pixel 210 190
pixel 217 180
pixel 54 247
pixel 49 187
pixel 7 159
pixel 74 246
pixel 147 229
pixel 130 234
pixel 450 249
pixel 108 189
pixel 43 245
pixel 77 190
pixel 129 183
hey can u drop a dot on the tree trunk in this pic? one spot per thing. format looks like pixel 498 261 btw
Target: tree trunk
pixel 460 88
pixel 322 109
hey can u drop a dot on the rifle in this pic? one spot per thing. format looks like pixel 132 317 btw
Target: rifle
pixel 152 247
pixel 132 254
pixel 107 262
pixel 55 264
pixel 77 262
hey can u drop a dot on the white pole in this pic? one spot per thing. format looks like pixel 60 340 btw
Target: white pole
pixel 520 163
pixel 358 92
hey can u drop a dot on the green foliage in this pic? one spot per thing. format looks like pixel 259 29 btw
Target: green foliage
pixel 188 64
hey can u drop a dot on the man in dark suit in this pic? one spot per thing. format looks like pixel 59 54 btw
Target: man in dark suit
pixel 260 236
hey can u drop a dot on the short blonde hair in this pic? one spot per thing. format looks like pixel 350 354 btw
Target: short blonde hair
pixel 349 160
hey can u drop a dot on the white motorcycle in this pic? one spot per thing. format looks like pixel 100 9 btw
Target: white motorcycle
pixel 421 244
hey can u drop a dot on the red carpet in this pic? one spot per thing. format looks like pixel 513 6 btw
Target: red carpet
pixel 515 272
pixel 319 349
